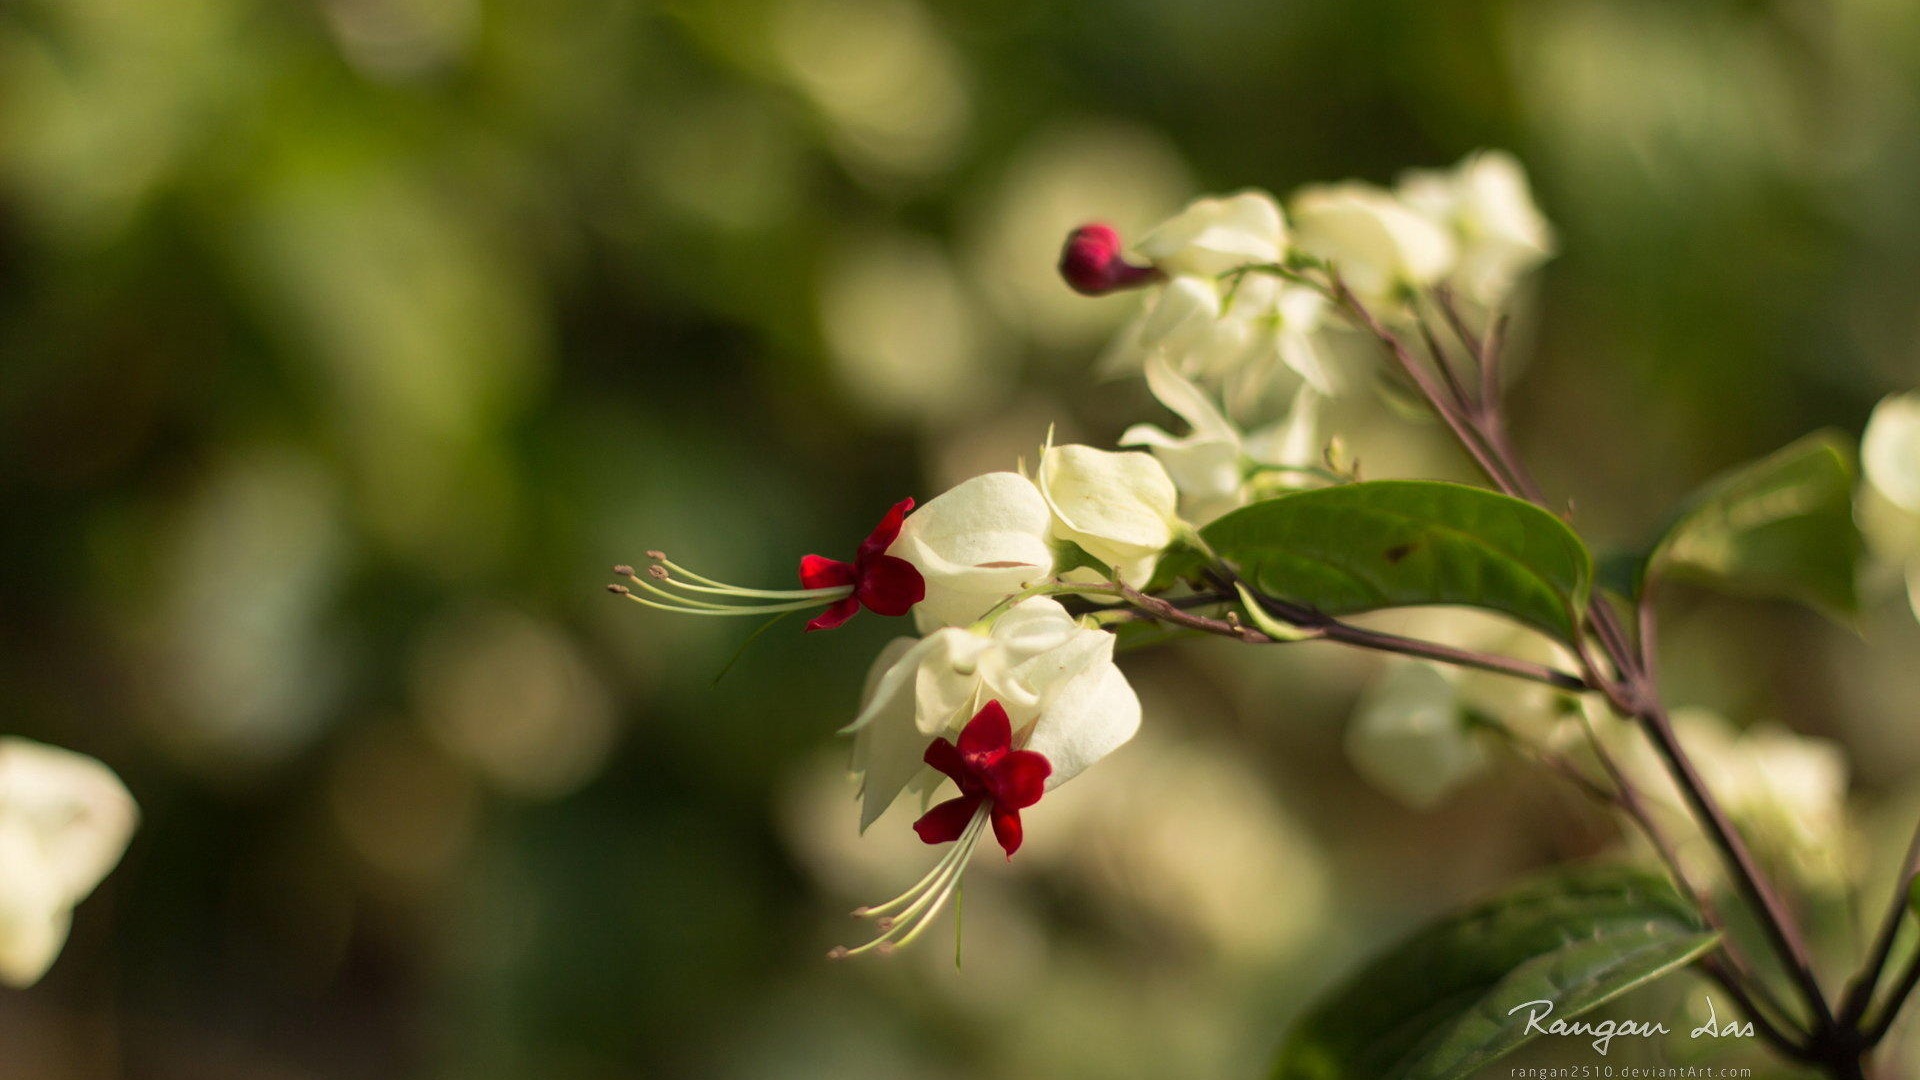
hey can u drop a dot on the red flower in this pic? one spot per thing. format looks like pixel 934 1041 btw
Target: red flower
pixel 882 583
pixel 989 770
pixel 1092 265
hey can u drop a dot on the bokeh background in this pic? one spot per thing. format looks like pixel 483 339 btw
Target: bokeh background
pixel 345 343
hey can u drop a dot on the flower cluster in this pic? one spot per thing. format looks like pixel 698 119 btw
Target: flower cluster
pixel 1008 686
pixel 1226 310
pixel 1004 691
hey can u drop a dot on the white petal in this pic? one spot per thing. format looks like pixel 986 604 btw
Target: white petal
pixel 1214 235
pixel 1293 442
pixel 1890 449
pixel 1913 587
pixel 1182 316
pixel 1189 403
pixel 976 544
pixel 1117 505
pixel 885 748
pixel 1031 627
pixel 74 808
pixel 34 906
pixel 1374 241
pixel 1088 717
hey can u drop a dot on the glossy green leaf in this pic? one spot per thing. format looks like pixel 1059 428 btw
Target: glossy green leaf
pixel 1779 527
pixel 1442 1004
pixel 1397 543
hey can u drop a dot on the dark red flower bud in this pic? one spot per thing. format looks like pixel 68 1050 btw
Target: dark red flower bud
pixel 1092 265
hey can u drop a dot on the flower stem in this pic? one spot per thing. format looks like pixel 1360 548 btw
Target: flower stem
pixel 1479 424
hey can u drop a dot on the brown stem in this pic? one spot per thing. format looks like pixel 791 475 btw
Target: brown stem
pixel 1902 989
pixel 1410 366
pixel 1728 966
pixel 1480 428
pixel 1324 628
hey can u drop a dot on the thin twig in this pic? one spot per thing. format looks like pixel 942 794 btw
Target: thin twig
pixel 1324 628
pixel 1482 432
pixel 1860 990
pixel 1630 802
pixel 1890 1012
pixel 1456 421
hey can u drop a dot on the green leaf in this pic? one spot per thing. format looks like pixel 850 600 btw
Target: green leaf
pixel 1440 1005
pixel 1779 527
pixel 1396 543
pixel 1179 562
pixel 1068 555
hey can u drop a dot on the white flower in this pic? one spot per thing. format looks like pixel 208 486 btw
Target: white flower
pixel 1214 235
pixel 1410 738
pixel 975 545
pixel 1377 244
pixel 1210 464
pixel 1119 506
pixel 1485 202
pixel 1236 333
pixel 1890 450
pixel 1889 504
pixel 1787 791
pixel 1052 675
pixel 65 819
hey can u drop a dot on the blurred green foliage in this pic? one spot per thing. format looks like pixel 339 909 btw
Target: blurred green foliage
pixel 343 344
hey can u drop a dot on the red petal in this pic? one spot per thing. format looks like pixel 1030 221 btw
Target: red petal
pixel 838 612
pixel 945 823
pixel 944 757
pixel 988 734
pixel 1006 829
pixel 889 585
pixel 820 572
pixel 1019 779
pixel 884 534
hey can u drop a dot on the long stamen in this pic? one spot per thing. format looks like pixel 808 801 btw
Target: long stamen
pixel 672 572
pixel 833 592
pixel 877 910
pixel 933 893
pixel 676 598
pixel 914 890
pixel 769 609
pixel 969 842
pixel 756 601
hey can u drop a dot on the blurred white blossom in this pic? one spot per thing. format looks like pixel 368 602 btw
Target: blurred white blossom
pixel 1411 738
pixel 65 819
pixel 1486 204
pixel 1787 791
pixel 1380 246
pixel 1213 466
pixel 1214 235
pixel 1889 504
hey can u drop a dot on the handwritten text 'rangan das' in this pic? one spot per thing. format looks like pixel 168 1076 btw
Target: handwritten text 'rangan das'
pixel 1603 1032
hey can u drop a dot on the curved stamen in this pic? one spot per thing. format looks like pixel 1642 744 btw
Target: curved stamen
pixel 660 583
pixel 933 893
pixel 723 611
pixel 831 593
pixel 701 583
pixel 676 598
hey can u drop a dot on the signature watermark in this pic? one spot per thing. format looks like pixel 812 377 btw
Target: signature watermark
pixel 1602 1032
pixel 1627 1071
